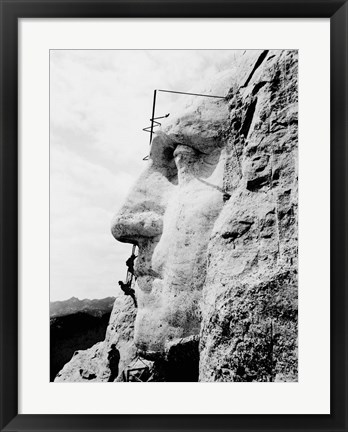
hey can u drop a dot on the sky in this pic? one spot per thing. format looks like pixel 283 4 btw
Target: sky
pixel 99 102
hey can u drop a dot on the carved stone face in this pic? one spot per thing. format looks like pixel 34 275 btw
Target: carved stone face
pixel 169 214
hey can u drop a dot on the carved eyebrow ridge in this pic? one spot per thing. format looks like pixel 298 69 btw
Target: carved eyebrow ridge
pixel 187 144
pixel 191 147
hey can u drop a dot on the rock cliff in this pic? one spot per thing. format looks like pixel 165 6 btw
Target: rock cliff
pixel 249 310
pixel 217 237
pixel 105 360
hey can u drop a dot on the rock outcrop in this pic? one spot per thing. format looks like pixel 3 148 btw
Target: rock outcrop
pixel 249 311
pixel 105 360
pixel 74 332
pixel 214 216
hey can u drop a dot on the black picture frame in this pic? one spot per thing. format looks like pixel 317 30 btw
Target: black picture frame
pixel 11 11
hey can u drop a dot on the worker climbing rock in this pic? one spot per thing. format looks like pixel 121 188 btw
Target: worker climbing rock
pixel 130 263
pixel 126 288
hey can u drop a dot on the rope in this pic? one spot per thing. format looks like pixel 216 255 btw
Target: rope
pixel 154 124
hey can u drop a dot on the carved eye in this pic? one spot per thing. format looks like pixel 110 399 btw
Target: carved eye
pixel 185 153
pixel 168 153
pixel 185 160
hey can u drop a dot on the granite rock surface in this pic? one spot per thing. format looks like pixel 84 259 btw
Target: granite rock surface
pixel 214 216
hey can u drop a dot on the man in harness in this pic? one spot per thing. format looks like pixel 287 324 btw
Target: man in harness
pixel 126 288
pixel 130 264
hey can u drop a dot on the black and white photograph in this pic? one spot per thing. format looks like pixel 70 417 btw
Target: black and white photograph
pixel 173 215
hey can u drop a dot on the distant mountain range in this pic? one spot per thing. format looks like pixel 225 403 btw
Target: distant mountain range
pixel 95 307
pixel 76 325
pixel 70 333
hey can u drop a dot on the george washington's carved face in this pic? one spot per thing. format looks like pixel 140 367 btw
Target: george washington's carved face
pixel 169 214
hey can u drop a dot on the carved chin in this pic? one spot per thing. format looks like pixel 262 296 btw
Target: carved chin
pixel 158 327
pixel 150 334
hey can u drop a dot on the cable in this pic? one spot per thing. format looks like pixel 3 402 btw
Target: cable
pixel 192 94
pixel 153 119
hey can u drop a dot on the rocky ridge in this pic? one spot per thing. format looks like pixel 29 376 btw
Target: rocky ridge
pixel 95 307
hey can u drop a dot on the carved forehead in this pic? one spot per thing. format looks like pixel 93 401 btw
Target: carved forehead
pixel 198 123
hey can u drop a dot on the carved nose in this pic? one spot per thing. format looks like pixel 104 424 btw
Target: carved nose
pixel 141 214
pixel 132 224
